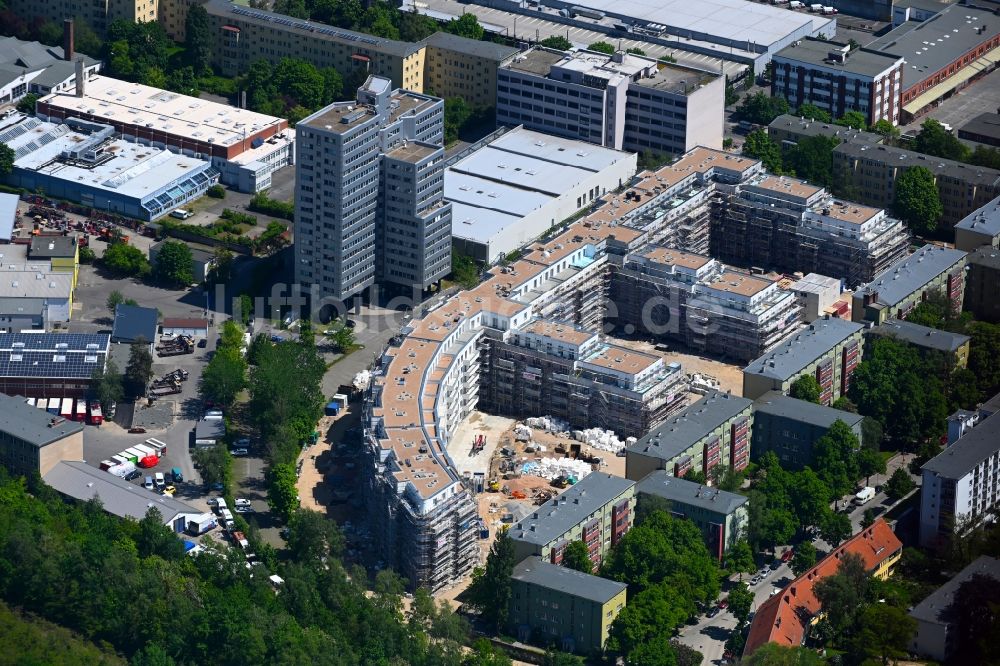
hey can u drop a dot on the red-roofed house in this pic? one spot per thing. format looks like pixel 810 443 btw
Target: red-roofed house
pixel 785 618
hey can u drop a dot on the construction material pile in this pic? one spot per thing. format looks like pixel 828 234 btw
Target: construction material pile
pixel 549 424
pixel 552 468
pixel 600 439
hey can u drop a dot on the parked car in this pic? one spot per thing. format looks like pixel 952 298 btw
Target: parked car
pixel 160 480
pixel 244 509
pixel 241 501
pixel 277 338
pixel 713 612
pixel 148 485
pixel 169 490
pixel 177 474
pixel 787 555
pixel 723 604
pixel 240 452
pixel 133 475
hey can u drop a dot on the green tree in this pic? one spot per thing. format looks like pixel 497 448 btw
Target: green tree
pixel 917 201
pixel 222 266
pixel 985 156
pixel 695 475
pixel 740 602
pixel 772 654
pixel 490 590
pixel 602 47
pixel 27 105
pixel 333 85
pixel 812 159
pixel 868 519
pixel 300 81
pixel 7 157
pixel 174 264
pixel 183 80
pixel 899 484
pixel 635 51
pixel 975 617
pixel 933 139
pixel 557 42
pixel 484 654
pixel 844 404
pixel 762 147
pixel 115 298
pixel 870 462
pixel 835 455
pixel 106 385
pixel 886 632
pixel 770 520
pixel 224 377
pixel 576 556
pixel 740 559
pixel 464 270
pixel 842 597
pixel 656 611
pixel 155 538
pixel 282 494
pixel 344 339
pixel 984 355
pixel 731 95
pixel 213 464
pixel 467 25
pixel 813 112
pixel 810 497
pixel 312 537
pixel 806 388
pixel 889 132
pixel 139 370
pixel 835 527
pixel 457 113
pixel 125 260
pixel 804 558
pixel 853 119
pixel 198 40
pixel 761 108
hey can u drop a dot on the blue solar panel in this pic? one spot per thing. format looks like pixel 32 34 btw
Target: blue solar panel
pixel 53 355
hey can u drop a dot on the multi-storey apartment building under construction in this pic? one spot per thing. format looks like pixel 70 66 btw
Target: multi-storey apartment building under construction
pixel 785 224
pixel 527 341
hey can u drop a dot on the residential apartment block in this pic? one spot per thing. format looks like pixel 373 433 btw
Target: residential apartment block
pixel 565 371
pixel 571 609
pixel 829 349
pixel 819 295
pixel 954 347
pixel 838 79
pixel 981 284
pixel 460 67
pixel 785 224
pixel 369 202
pixel 713 431
pixel 99 14
pixel 620 101
pixel 981 227
pixel 789 428
pixel 961 485
pixel 698 301
pixel 597 510
pixel 937 635
pixel 901 287
pixel 33 441
pixel 721 516
pixel 786 617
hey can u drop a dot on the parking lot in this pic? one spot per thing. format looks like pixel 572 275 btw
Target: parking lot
pixel 982 96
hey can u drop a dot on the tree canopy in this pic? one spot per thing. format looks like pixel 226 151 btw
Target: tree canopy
pixel 6 159
pixel 761 146
pixel 761 108
pixel 934 139
pixel 556 42
pixel 853 119
pixel 124 259
pixel 139 370
pixel 602 47
pixel 806 388
pixel 813 112
pixel 467 25
pixel 917 201
pixel 576 556
pixel 174 264
pixel 490 589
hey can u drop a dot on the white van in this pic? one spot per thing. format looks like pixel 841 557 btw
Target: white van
pixel 181 214
pixel 148 485
pixel 160 481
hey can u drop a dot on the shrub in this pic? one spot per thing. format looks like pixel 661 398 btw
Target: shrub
pixel 216 192
pixel 261 203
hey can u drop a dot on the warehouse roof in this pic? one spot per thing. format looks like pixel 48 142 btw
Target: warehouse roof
pixel 968 451
pixel 778 404
pixel 931 45
pixel 27 281
pixel 921 336
pixel 910 274
pixel 118 496
pixel 559 515
pixel 677 435
pixel 790 357
pixel 52 247
pixel 57 355
pixel 472 47
pixel 861 61
pixel 558 150
pixel 985 220
pixel 34 426
pixel 536 571
pixel 133 322
pixel 682 491
pixel 985 124
pixel 935 606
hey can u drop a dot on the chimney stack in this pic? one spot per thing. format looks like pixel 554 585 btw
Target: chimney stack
pixel 80 77
pixel 68 44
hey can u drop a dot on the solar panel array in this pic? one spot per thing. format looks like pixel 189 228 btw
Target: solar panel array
pixel 305 25
pixel 52 355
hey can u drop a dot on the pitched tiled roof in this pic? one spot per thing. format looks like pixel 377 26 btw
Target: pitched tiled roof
pixel 783 618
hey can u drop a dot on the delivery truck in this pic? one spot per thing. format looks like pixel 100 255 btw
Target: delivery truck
pixel 80 412
pixel 96 416
pixel 135 454
pixel 159 448
pixel 66 410
pixel 200 524
pixel 146 451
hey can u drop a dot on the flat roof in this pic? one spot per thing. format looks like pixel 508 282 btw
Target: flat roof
pixel 744 284
pixel 536 571
pixel 538 61
pixel 33 425
pixel 185 323
pixel 737 20
pixel 133 322
pixel 181 115
pixel 621 359
pixel 472 47
pixel 985 256
pixel 8 214
pixel 677 79
pixel 118 496
pixel 134 170
pixel 787 359
pixel 484 193
pixel 55 355
pixel 521 171
pixel 861 61
pixel 560 514
pixel 968 451
pixel 682 491
pixel 911 273
pixel 558 150
pixel 985 124
pixel 558 331
pixel 778 404
pixel 928 46
pixel 31 281
pixel 935 606
pixel 209 428
pixel 414 151
pixel 846 211
pixel 671 257
pixel 786 185
pixel 479 224
pixel 339 117
pixel 985 220
pixel 922 336
pixel 674 437
pixel 815 283
pixel 52 247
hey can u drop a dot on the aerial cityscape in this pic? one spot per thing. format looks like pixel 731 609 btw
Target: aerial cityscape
pixel 500 332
